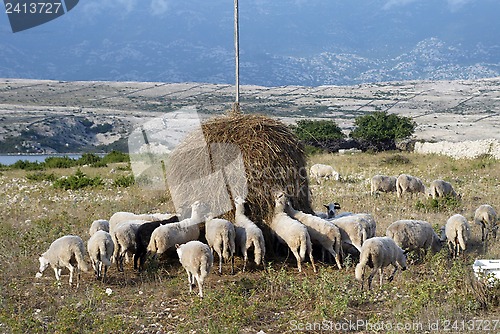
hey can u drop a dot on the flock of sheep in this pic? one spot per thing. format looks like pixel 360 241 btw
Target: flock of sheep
pixel 128 234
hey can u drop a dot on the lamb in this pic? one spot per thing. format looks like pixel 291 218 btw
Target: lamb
pixel 123 236
pixel 440 188
pixel 383 183
pixel 414 235
pixel 291 232
pixel 378 253
pixel 409 184
pixel 142 238
pixel 101 248
pixel 220 235
pixel 331 211
pixel 321 231
pixel 320 171
pixel 197 260
pixel 248 234
pixel 166 236
pixel 457 232
pixel 99 225
pixel 486 217
pixel 67 251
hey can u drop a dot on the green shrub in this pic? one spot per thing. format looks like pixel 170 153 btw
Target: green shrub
pixel 381 126
pixel 307 130
pixel 59 162
pixel 116 156
pixel 77 181
pixel 395 160
pixel 41 176
pixel 124 181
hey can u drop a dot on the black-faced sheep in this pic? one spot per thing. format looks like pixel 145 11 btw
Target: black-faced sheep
pixel 142 238
pixel 248 234
pixel 291 232
pixel 322 232
pixel 197 260
pixel 66 252
pixel 457 233
pixel 409 184
pixel 101 248
pixel 377 253
pixel 440 188
pixel 486 217
pixel 414 235
pixel 382 183
pixel 220 235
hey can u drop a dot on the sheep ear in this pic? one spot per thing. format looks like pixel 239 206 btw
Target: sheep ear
pixel 177 245
pixel 326 206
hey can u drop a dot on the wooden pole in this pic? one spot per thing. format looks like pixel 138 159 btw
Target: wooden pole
pixel 236 106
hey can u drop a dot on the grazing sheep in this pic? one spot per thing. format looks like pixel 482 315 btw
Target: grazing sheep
pixel 320 171
pixel 166 236
pixel 440 188
pixel 123 236
pixel 101 248
pixel 486 217
pixel 321 232
pixel 220 235
pixel 291 232
pixel 331 211
pixel 414 235
pixel 353 230
pixel 378 253
pixel 142 238
pixel 409 184
pixel 383 183
pixel 67 251
pixel 99 225
pixel 197 259
pixel 248 234
pixel 457 233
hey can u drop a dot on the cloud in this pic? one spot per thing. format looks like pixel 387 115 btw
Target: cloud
pixel 98 7
pixel 395 3
pixel 159 7
pixel 457 4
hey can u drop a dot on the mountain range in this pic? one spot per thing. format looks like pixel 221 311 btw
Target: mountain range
pixel 282 42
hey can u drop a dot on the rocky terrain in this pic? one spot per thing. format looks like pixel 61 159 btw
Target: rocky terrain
pixel 40 116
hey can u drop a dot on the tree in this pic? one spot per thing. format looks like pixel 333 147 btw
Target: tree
pixel 309 130
pixel 381 127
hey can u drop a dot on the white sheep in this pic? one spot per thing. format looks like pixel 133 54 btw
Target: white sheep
pixel 99 225
pixel 321 232
pixel 66 252
pixel 291 232
pixel 354 231
pixel 122 216
pixel 440 188
pixel 382 183
pixel 123 236
pixel 166 236
pixel 378 253
pixel 100 247
pixel 321 171
pixel 409 184
pixel 248 234
pixel 457 233
pixel 486 217
pixel 414 235
pixel 331 211
pixel 220 236
pixel 197 260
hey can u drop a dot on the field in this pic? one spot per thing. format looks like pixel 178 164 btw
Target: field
pixel 435 294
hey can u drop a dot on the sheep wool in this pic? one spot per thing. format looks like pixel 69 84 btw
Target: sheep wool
pixel 197 260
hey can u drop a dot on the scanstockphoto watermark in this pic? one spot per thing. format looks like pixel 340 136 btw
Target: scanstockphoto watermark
pixel 438 326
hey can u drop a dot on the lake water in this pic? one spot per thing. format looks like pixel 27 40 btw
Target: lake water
pixel 11 159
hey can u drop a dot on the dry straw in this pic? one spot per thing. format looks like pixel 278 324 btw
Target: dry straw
pixel 237 154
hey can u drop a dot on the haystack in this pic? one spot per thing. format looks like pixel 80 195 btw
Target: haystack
pixel 247 155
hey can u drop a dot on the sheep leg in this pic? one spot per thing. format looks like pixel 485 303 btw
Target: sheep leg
pixel 57 272
pixel 370 279
pixel 190 280
pixel 312 260
pixel 391 278
pixel 71 270
pixel 199 280
pixel 245 258
pixel 297 256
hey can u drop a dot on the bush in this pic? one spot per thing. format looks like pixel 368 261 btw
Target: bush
pixel 381 126
pixel 307 130
pixel 115 156
pixel 41 176
pixel 77 181
pixel 124 181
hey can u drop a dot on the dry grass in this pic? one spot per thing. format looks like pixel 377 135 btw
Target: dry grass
pixel 437 289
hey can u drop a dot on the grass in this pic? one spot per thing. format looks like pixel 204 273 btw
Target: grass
pixel 435 290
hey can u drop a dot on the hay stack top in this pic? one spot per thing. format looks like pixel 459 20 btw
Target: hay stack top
pixel 246 155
